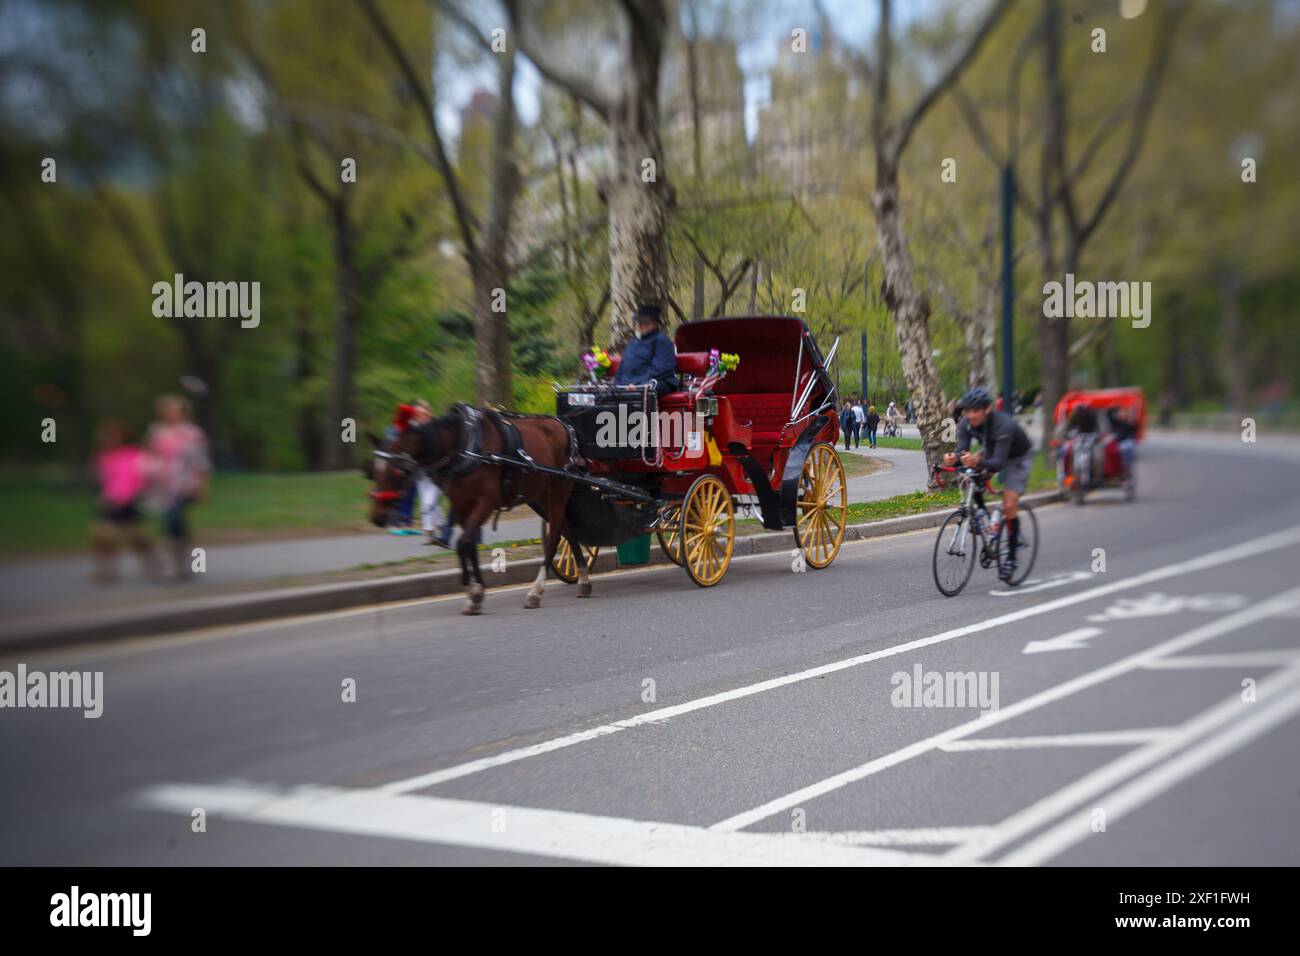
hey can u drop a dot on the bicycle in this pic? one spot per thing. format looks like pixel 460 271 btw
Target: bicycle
pixel 972 530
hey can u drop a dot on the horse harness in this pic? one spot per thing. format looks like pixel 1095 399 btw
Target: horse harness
pixel 512 459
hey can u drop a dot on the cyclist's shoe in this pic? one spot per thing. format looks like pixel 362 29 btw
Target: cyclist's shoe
pixel 1007 571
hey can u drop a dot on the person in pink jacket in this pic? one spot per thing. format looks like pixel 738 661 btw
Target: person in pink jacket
pixel 121 471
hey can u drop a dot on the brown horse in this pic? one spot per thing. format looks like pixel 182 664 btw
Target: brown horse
pixel 475 489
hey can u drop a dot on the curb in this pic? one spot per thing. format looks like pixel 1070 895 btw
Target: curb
pixel 82 627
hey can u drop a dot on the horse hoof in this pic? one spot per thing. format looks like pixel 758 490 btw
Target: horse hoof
pixel 532 601
pixel 473 609
pixel 584 590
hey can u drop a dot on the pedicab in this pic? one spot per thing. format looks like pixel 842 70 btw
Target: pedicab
pixel 752 429
pixel 1089 455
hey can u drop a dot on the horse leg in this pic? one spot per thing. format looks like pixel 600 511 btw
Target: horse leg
pixel 468 551
pixel 584 579
pixel 553 522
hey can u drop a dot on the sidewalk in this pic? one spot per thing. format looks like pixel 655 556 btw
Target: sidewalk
pixel 29 587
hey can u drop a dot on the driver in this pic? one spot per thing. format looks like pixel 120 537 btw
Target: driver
pixel 651 357
pixel 1005 447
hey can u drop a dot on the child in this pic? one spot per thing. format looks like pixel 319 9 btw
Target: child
pixel 120 473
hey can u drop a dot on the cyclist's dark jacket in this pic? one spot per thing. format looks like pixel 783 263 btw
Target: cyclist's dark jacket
pixel 1000 436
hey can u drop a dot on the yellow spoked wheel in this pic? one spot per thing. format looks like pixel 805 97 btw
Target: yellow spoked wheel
pixel 708 530
pixel 564 564
pixel 823 506
pixel 669 534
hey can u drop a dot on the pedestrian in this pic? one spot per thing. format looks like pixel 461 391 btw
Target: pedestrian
pixel 433 522
pixel 121 471
pixel 859 423
pixel 846 422
pixel 873 422
pixel 179 467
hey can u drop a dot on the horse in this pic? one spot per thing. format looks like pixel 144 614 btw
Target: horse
pixel 450 449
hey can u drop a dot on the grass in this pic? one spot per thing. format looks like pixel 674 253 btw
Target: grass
pixel 856 466
pixel 54 516
pixel 905 443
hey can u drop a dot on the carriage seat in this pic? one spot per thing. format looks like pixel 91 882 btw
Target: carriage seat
pixel 766 412
pixel 726 427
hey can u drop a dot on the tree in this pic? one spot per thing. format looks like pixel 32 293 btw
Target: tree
pixel 908 305
pixel 484 244
pixel 636 189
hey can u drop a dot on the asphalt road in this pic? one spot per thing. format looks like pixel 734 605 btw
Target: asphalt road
pixel 1144 714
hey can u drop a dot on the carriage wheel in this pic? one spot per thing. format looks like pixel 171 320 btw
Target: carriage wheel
pixel 669 534
pixel 823 506
pixel 708 530
pixel 563 563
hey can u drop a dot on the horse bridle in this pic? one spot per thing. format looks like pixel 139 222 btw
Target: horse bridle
pixel 408 467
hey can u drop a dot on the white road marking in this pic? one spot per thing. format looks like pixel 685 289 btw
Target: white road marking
pixel 1279 700
pixel 923 836
pixel 1247 549
pixel 1207 632
pixel 510 829
pixel 1034 585
pixel 1072 641
pixel 1159 605
pixel 1105 738
pixel 1242 659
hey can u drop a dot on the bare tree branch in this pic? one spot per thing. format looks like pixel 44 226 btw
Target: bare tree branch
pixel 573 82
pixel 949 76
pixel 464 217
pixel 1163 45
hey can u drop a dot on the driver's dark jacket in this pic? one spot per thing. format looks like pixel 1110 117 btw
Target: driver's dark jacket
pixel 1001 438
pixel 652 357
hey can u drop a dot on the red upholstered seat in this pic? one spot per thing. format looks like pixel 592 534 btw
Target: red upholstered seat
pixel 693 363
pixel 766 412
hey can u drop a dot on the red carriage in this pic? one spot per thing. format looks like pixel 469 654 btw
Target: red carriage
pixel 1089 453
pixel 756 434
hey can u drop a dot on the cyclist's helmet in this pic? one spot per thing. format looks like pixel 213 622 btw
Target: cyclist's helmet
pixel 977 397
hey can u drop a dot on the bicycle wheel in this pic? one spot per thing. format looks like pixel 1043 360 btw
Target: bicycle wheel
pixel 954 555
pixel 1027 552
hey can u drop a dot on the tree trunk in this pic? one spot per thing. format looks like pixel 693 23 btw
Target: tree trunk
pixel 309 438
pixel 911 312
pixel 1235 375
pixel 1054 346
pixel 345 330
pixel 981 350
pixel 697 300
pixel 638 222
pixel 491 335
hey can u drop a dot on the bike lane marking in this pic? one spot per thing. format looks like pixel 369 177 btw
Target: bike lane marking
pixel 511 829
pixel 1271 542
pixel 1279 698
pixel 1207 632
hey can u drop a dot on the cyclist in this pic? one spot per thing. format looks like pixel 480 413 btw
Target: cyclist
pixel 1005 448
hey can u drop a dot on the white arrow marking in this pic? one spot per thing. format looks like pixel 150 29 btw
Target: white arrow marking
pixel 1071 641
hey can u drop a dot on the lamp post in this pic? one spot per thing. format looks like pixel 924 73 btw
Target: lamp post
pixel 866 317
pixel 1008 292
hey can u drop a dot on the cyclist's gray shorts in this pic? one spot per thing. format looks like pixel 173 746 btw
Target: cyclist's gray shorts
pixel 1015 474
